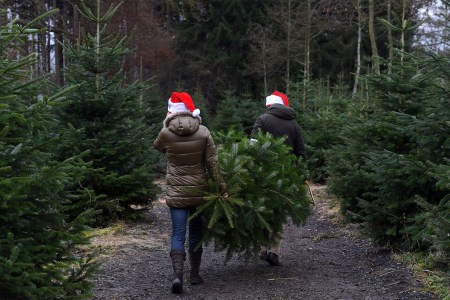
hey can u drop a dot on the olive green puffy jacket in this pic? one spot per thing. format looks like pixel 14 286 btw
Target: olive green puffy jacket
pixel 191 158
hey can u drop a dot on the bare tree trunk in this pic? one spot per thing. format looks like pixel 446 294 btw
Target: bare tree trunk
pixel 358 51
pixel 288 48
pixel 58 40
pixel 141 79
pixel 76 34
pixel 43 52
pixel 58 53
pixel 264 67
pixel 289 17
pixel 262 53
pixel 390 38
pixel 373 42
pixel 264 49
pixel 97 47
pixel 306 72
pixel 43 44
pixel 404 24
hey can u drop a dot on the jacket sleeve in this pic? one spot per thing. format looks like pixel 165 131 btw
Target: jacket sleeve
pixel 212 162
pixel 256 127
pixel 159 143
pixel 299 144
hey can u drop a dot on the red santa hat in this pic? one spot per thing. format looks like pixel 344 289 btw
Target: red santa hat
pixel 277 98
pixel 182 101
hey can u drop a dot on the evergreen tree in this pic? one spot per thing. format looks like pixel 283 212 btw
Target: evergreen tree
pixel 431 134
pixel 266 187
pixel 385 161
pixel 111 116
pixel 322 121
pixel 431 225
pixel 37 238
pixel 238 114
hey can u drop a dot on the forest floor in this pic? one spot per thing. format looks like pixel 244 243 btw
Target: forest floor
pixel 324 259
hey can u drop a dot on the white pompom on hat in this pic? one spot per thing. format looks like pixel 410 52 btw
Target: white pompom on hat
pixel 277 98
pixel 182 101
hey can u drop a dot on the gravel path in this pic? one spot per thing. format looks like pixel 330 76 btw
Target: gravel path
pixel 321 260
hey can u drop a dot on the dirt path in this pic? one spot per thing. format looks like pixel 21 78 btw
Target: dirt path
pixel 321 260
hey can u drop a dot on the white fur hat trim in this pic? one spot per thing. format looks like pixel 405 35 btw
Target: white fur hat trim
pixel 272 99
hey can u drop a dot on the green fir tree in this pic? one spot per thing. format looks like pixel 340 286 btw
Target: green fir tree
pixel 37 237
pixel 385 161
pixel 112 118
pixel 431 133
pixel 238 114
pixel 266 187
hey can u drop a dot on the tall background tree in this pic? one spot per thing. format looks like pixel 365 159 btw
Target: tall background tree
pixel 212 42
pixel 207 46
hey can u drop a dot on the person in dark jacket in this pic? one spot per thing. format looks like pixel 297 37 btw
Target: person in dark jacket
pixel 280 121
pixel 191 159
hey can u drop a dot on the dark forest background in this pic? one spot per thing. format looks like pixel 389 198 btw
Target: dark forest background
pixel 219 48
pixel 84 90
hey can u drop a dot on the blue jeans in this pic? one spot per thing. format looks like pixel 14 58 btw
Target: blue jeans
pixel 179 223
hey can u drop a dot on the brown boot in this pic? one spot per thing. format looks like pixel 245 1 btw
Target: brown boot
pixel 263 255
pixel 272 259
pixel 178 258
pixel 195 259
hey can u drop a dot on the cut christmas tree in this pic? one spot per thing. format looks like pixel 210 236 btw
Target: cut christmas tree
pixel 266 189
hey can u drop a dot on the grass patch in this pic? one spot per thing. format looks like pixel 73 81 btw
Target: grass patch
pixel 434 279
pixel 332 206
pixel 117 228
pixel 96 249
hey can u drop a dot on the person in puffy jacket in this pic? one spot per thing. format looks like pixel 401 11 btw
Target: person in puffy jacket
pixel 280 121
pixel 191 159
